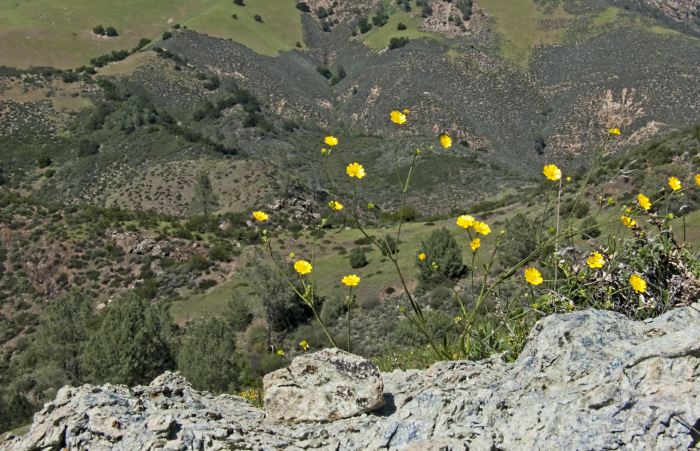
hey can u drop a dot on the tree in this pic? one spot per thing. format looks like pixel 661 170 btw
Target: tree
pixel 206 356
pixel 99 30
pixel 131 346
pixel 395 43
pixel 64 332
pixel 303 7
pixel 111 32
pixel 204 200
pixel 443 259
pixel 238 2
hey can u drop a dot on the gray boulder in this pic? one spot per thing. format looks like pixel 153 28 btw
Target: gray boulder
pixel 324 386
pixel 585 380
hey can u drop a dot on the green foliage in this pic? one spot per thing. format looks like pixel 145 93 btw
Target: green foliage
pixel 63 334
pixel 358 258
pixel 439 325
pixel 238 314
pixel 520 240
pixel 204 200
pixel 207 356
pixel 444 259
pixel 132 344
pixel 395 43
pixel 364 25
pixel 389 245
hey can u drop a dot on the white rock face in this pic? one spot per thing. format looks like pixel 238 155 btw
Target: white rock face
pixel 324 386
pixel 585 380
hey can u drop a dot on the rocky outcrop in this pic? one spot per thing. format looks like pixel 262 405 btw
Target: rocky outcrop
pixel 325 386
pixel 684 11
pixel 585 380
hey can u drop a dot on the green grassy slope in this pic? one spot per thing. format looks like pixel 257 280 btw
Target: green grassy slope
pixel 59 33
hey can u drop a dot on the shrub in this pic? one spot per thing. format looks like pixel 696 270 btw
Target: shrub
pixel 444 259
pixel 258 18
pixel 364 25
pixel 238 2
pixel 325 71
pixel 166 35
pixel 87 148
pixel 207 356
pixel 303 7
pixel 111 32
pixel 395 43
pixel 358 258
pixel 99 30
pixel 400 26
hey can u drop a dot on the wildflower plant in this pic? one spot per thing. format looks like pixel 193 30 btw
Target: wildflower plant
pixel 640 269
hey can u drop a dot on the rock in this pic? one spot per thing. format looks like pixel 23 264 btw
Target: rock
pixel 324 386
pixel 585 380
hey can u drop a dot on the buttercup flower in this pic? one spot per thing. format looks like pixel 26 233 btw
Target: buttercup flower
pixel 674 183
pixel 552 172
pixel 303 344
pixel 643 201
pixel 533 276
pixel 475 244
pixel 397 117
pixel 697 179
pixel 370 206
pixel 422 256
pixel 445 141
pixel 351 280
pixel 331 141
pixel 260 216
pixel 639 285
pixel 614 131
pixel 335 205
pixel 406 111
pixel 280 352
pixel 355 170
pixel 465 221
pixel 595 261
pixel 628 222
pixel 303 267
pixel 481 227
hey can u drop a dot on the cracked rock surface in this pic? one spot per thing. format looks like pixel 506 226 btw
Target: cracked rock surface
pixel 585 380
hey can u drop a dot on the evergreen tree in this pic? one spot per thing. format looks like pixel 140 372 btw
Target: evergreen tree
pixel 206 356
pixel 521 239
pixel 131 346
pixel 204 200
pixel 64 331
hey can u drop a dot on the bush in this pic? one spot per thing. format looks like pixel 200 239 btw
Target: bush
pixel 358 258
pixel 166 35
pixel 389 245
pixel 303 7
pixel 238 2
pixel 444 259
pixel 364 25
pixel 395 43
pixel 131 345
pixel 99 30
pixel 401 26
pixel 207 356
pixel 258 18
pixel 87 148
pixel 323 70
pixel 111 32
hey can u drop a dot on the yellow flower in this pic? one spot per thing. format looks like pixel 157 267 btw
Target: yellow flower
pixel 465 221
pixel 260 216
pixel 674 183
pixel 643 201
pixel 331 141
pixel 422 256
pixel 697 179
pixel 370 206
pixel 475 244
pixel 552 172
pixel 614 131
pixel 481 227
pixel 639 285
pixel 533 276
pixel 351 280
pixel 355 170
pixel 335 205
pixel 324 151
pixel 568 178
pixel 397 117
pixel 303 344
pixel 628 222
pixel 445 141
pixel 457 319
pixel 303 267
pixel 280 352
pixel 596 260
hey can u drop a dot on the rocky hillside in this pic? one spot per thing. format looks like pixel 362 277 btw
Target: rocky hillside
pixel 585 380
